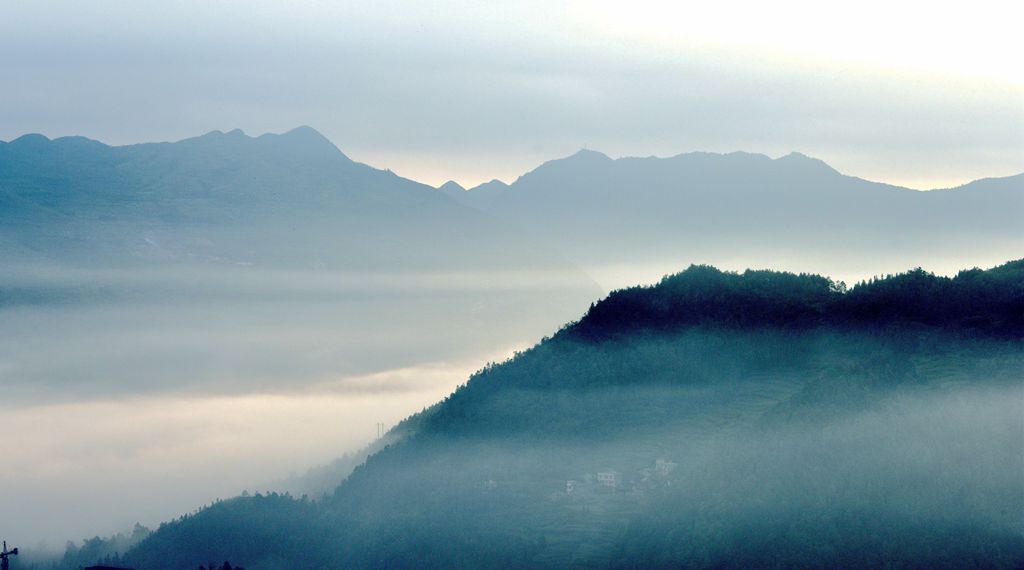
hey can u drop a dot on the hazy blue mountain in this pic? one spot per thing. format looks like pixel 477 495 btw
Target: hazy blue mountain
pixel 452 189
pixel 707 206
pixel 285 200
pixel 281 236
pixel 712 420
pixel 486 194
pixel 480 197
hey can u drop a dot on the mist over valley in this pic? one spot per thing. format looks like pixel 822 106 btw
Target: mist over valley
pixel 511 285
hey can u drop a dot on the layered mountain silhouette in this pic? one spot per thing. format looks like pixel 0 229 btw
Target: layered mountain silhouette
pixel 715 419
pixel 712 420
pixel 296 199
pixel 481 197
pixel 706 206
pixel 290 200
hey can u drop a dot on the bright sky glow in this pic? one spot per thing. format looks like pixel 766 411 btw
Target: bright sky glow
pixel 979 40
pixel 922 94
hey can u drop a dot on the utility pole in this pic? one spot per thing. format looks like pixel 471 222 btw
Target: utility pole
pixel 5 564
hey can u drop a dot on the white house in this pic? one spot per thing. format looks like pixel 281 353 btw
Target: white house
pixel 609 478
pixel 662 467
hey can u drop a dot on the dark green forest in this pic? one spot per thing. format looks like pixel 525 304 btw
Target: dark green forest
pixel 713 420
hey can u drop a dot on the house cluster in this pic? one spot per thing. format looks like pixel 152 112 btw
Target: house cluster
pixel 658 473
pixel 652 475
pixel 661 468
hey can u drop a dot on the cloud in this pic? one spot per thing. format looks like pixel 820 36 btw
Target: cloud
pixel 101 334
pixel 472 93
pixel 101 465
pixel 161 455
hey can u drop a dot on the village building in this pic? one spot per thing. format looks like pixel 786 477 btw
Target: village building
pixel 663 467
pixel 609 478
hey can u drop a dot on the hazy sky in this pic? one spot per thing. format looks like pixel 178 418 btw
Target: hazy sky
pixel 919 94
pixel 923 94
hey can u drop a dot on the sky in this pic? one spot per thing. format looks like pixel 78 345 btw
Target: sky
pixel 921 94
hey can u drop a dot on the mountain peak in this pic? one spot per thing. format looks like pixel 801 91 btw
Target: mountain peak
pixel 307 139
pixel 215 133
pixel 302 138
pixel 583 162
pixel 493 185
pixel 703 295
pixel 451 186
pixel 587 154
pixel 304 132
pixel 799 158
pixel 30 139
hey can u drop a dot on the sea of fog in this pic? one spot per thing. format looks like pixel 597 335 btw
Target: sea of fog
pixel 139 395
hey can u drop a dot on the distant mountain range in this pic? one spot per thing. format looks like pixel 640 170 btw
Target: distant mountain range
pixel 481 197
pixel 289 200
pixel 714 420
pixel 598 210
pixel 295 200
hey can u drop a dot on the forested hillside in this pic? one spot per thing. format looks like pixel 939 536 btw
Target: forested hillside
pixel 712 420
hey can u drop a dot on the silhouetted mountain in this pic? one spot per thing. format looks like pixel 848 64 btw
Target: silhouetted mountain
pixel 982 302
pixel 494 187
pixel 282 200
pixel 715 419
pixel 452 189
pixel 480 197
pixel 709 206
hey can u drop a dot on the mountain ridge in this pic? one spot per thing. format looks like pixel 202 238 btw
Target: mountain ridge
pixel 226 197
pixel 600 211
pixel 508 470
pixel 309 133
